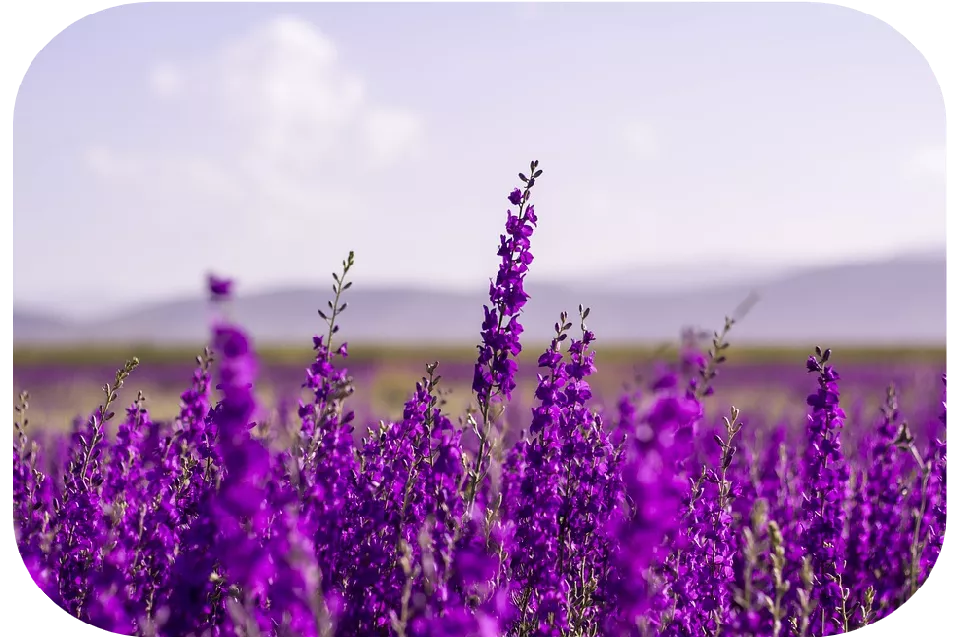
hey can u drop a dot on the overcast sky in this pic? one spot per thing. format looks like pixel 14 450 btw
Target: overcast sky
pixel 154 142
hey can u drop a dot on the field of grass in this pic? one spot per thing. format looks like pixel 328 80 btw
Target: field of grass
pixel 378 353
pixel 65 382
pixel 625 353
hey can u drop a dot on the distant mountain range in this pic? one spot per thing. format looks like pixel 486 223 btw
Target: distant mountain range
pixel 900 300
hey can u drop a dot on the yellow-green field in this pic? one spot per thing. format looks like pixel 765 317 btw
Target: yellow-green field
pixel 623 353
pixel 66 382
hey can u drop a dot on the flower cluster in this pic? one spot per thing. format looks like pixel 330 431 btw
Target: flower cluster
pixel 650 518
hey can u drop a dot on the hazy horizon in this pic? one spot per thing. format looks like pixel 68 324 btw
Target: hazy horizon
pixel 679 278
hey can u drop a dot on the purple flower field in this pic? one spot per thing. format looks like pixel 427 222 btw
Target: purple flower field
pixel 547 507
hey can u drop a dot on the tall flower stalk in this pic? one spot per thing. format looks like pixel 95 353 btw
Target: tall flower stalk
pixel 496 367
pixel 822 513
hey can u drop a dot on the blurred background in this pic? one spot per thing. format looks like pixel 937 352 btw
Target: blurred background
pixel 693 155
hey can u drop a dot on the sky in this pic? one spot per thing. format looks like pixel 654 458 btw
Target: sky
pixel 154 143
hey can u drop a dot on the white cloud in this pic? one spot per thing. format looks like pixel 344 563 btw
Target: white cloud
pixel 285 85
pixel 640 138
pixel 929 162
pixel 273 127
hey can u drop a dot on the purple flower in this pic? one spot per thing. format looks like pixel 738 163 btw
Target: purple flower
pixel 649 513
pixel 495 369
pixel 826 476
pixel 220 289
pixel 564 515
